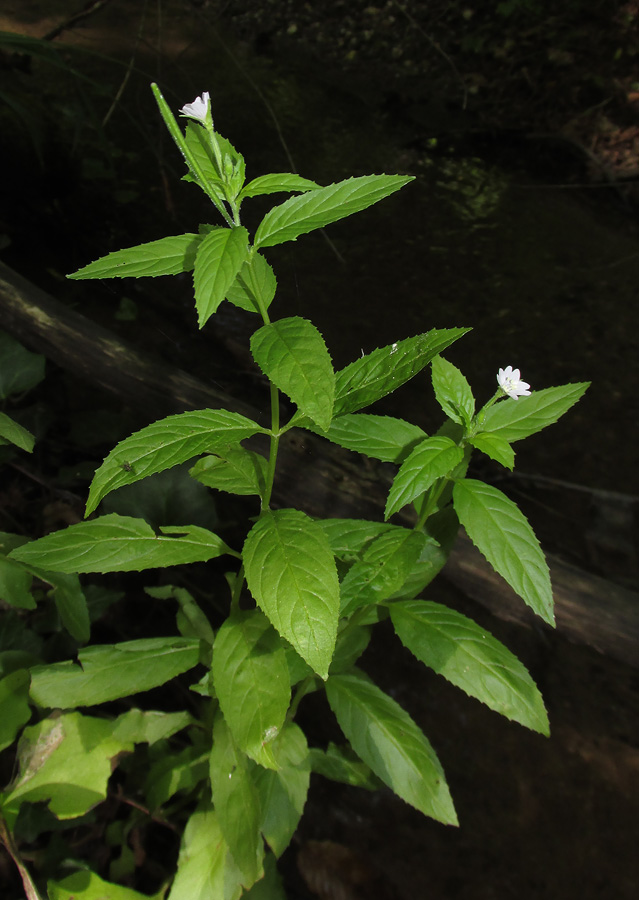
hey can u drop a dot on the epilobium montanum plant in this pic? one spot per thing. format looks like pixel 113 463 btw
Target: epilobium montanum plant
pixel 305 592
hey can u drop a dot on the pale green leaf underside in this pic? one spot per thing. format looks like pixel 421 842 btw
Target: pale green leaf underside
pixel 293 355
pixel 165 444
pixel 116 543
pixel 501 532
pixel 513 420
pixel 206 869
pixel 380 437
pixel 291 573
pixel 276 182
pixel 168 256
pixel 67 761
pixel 220 256
pixel 13 433
pixel 432 459
pixel 470 658
pixel 389 741
pixel 86 885
pixel 109 672
pixel 320 207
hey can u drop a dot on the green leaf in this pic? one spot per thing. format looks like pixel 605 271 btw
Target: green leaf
pixel 15 584
pixel 14 705
pixel 206 869
pixel 234 469
pixel 387 739
pixel 276 182
pixel 434 458
pixel 236 803
pixel 470 658
pixel 12 433
pixel 283 792
pixel 251 682
pixel 66 760
pixel 494 446
pixel 501 532
pixel 20 370
pixel 168 256
pixel 120 544
pixel 431 561
pixel 86 885
pixel 513 420
pixel 452 391
pixel 111 671
pixel 270 887
pixel 320 207
pixel 384 370
pixel 149 726
pixel 385 565
pixel 292 354
pixel 220 256
pixel 348 537
pixel 198 142
pixel 341 764
pixel 291 573
pixel 351 643
pixel 380 437
pixel 71 604
pixel 165 444
pixel 174 772
pixel 198 623
pixel 254 286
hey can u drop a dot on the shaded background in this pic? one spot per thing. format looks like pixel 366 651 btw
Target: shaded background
pixel 520 123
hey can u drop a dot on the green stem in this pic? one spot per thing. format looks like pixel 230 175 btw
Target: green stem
pixel 275 443
pixel 434 494
pixel 191 161
pixel 237 590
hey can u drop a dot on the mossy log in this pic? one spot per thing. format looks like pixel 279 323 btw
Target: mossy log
pixel 319 477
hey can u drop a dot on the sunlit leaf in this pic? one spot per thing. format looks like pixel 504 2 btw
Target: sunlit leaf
pixel 432 459
pixel 120 544
pixel 276 182
pixel 165 444
pixel 291 573
pixel 501 532
pixel 380 437
pixel 251 682
pixel 168 256
pixel 220 256
pixel 110 671
pixel 292 354
pixel 513 420
pixel 317 208
pixel 389 741
pixel 472 659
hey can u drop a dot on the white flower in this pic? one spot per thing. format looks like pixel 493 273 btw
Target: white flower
pixel 510 382
pixel 198 109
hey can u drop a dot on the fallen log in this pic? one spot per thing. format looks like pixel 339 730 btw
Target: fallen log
pixel 317 476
